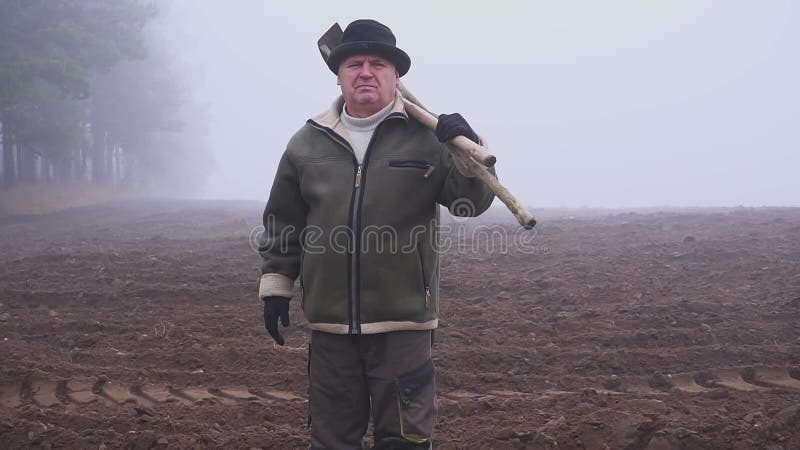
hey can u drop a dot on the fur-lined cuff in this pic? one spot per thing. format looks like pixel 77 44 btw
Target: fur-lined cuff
pixel 275 285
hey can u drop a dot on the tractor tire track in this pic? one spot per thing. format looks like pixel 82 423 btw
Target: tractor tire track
pixel 85 391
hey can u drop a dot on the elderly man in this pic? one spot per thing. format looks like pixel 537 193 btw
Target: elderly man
pixel 353 213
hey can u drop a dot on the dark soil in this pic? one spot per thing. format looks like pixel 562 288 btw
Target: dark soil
pixel 137 325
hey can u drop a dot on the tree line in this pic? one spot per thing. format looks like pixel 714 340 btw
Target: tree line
pixel 89 92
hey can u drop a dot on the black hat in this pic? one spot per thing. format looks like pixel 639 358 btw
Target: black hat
pixel 370 37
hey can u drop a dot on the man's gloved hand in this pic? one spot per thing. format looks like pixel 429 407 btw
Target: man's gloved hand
pixel 275 307
pixel 452 125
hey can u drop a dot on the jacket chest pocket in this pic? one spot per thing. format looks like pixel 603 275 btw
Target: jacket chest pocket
pixel 425 168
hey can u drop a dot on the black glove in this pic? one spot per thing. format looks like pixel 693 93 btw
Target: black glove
pixel 273 308
pixel 452 125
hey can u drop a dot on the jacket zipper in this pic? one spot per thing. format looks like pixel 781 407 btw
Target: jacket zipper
pixel 354 219
pixel 358 176
pixel 355 227
pixel 429 168
pixel 424 278
pixel 354 325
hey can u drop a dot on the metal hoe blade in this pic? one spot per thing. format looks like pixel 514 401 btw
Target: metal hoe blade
pixel 329 40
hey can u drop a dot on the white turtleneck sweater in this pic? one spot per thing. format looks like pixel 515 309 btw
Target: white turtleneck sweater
pixel 361 129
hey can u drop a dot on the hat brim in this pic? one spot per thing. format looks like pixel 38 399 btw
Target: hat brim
pixel 398 57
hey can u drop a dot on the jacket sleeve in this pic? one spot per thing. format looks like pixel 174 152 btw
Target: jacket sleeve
pixel 280 244
pixel 463 196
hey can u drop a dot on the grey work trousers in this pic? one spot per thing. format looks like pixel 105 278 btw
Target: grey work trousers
pixel 389 374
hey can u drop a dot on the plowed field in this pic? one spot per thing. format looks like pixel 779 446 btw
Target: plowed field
pixel 136 325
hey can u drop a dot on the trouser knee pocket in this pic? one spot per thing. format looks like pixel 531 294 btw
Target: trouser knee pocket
pixel 416 403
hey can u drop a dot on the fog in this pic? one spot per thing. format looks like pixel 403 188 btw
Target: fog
pixel 619 103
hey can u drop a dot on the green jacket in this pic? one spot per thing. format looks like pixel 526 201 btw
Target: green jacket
pixel 360 237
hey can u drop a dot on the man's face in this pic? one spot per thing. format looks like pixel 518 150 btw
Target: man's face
pixel 368 83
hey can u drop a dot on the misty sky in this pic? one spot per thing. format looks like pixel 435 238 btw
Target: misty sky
pixel 613 103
